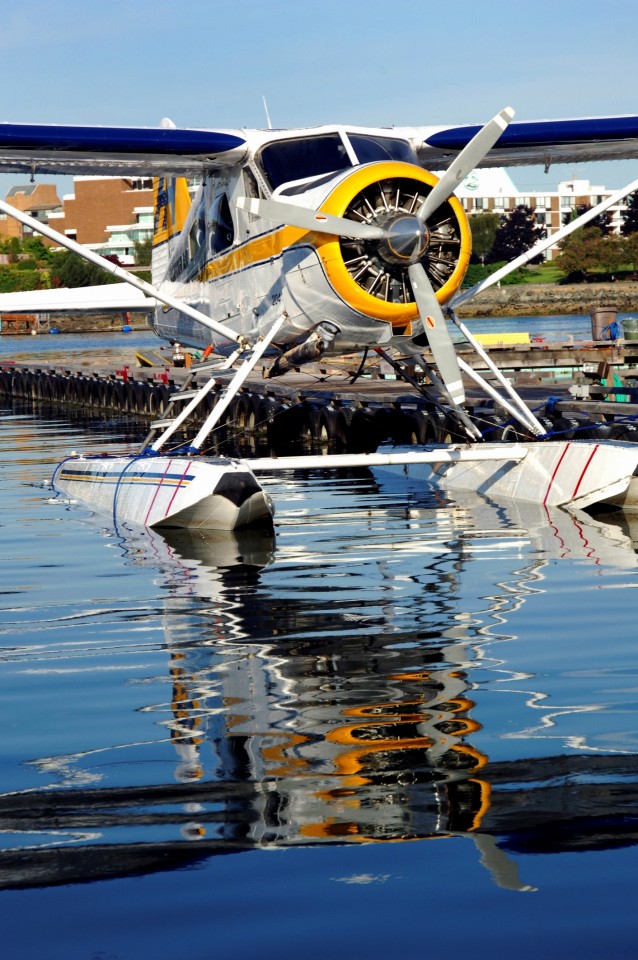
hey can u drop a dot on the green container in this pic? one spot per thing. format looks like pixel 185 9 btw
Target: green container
pixel 630 328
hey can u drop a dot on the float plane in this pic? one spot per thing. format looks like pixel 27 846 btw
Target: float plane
pixel 309 243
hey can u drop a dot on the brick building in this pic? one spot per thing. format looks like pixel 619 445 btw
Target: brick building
pixel 107 214
pixel 39 200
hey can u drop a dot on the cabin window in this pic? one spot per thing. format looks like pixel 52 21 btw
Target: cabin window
pixel 220 225
pixel 303 158
pixel 370 149
pixel 197 233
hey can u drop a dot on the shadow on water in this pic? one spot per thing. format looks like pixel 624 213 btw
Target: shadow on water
pixel 316 714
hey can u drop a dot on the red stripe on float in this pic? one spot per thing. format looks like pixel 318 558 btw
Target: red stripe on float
pixel 148 512
pixel 179 483
pixel 585 468
pixel 556 469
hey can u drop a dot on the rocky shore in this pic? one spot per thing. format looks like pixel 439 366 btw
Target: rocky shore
pixel 552 299
pixel 518 300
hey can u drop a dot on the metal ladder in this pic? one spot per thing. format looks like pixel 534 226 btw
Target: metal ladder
pixel 187 392
pixel 193 397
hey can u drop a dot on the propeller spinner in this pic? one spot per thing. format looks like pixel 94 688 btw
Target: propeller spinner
pixel 401 238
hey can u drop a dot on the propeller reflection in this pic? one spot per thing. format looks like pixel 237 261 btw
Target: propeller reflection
pixel 298 717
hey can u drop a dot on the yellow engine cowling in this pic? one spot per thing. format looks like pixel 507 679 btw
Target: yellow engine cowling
pixel 361 272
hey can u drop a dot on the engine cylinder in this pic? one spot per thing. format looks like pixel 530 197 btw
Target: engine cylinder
pixel 371 275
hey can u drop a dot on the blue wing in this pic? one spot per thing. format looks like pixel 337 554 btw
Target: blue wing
pixel 119 151
pixel 541 142
pixel 146 151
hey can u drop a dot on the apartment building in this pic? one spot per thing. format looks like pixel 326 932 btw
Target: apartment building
pixel 493 191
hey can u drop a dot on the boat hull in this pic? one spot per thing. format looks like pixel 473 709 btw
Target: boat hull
pixel 219 494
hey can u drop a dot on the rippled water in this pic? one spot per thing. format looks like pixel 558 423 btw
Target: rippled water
pixel 397 723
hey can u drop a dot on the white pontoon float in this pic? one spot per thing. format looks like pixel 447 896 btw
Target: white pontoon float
pixel 224 494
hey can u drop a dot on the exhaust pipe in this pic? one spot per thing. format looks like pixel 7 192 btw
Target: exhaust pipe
pixel 313 347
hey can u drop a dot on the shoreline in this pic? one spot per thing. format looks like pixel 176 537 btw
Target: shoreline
pixel 515 300
pixel 552 299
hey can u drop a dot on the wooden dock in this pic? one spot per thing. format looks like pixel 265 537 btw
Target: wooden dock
pixel 333 406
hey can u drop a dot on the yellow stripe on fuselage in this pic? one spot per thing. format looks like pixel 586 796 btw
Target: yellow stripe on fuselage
pixel 255 251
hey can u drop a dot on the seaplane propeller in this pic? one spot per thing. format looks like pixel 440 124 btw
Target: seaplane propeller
pixel 402 237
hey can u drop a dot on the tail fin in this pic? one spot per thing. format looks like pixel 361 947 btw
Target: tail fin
pixel 171 205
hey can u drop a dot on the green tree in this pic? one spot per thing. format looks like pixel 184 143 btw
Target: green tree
pixel 484 227
pixel 630 246
pixel 70 270
pixel 610 254
pixel 13 248
pixel 516 234
pixel 586 251
pixel 630 216
pixel 12 280
pixel 36 249
pixel 143 251
pixel 603 221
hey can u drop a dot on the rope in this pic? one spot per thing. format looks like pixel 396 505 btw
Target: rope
pixel 611 331
pixel 139 456
pixel 549 404
pixel 59 467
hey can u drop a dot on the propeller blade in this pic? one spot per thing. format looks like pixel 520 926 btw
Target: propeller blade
pixel 469 158
pixel 437 332
pixel 307 219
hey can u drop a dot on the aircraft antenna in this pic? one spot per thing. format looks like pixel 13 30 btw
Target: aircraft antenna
pixel 267 114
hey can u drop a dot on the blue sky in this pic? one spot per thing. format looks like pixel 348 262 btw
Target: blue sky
pixel 208 63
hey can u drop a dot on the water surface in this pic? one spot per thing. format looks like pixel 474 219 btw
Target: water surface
pixel 398 722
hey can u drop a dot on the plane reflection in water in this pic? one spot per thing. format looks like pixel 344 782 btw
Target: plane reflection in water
pixel 319 713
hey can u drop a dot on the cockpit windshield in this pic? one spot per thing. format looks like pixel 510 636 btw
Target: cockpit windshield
pixel 371 148
pixel 303 158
